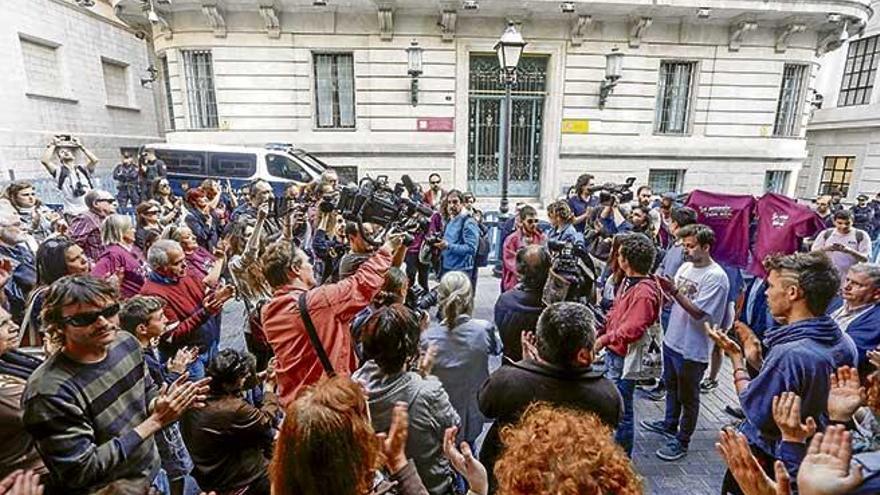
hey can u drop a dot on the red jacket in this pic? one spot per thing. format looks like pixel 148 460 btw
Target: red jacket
pixel 332 307
pixel 633 312
pixel 183 304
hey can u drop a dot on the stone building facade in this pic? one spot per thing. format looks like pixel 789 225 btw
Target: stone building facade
pixel 843 138
pixel 713 95
pixel 68 69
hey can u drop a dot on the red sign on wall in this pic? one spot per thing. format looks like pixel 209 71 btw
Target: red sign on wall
pixel 435 124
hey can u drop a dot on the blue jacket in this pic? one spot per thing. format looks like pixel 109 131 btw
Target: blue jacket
pixel 865 332
pixel 801 358
pixel 567 234
pixel 462 236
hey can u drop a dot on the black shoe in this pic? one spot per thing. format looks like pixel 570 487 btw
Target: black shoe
pixel 708 385
pixel 736 412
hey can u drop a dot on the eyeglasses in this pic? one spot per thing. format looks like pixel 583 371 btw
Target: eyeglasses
pixel 434 182
pixel 151 212
pixel 86 319
pixel 530 220
pixel 105 200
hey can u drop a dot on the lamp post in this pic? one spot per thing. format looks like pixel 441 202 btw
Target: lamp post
pixel 509 50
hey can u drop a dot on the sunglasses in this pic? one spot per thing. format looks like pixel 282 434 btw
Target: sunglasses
pixel 105 200
pixel 434 182
pixel 151 212
pixel 530 220
pixel 86 319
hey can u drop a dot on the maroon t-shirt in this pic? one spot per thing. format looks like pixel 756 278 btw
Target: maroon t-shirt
pixel 729 216
pixel 782 224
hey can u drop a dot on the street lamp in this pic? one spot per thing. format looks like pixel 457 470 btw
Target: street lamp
pixel 613 69
pixel 509 50
pixel 414 58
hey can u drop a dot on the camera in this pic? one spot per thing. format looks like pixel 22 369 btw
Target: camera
pixel 418 298
pixel 79 190
pixel 374 201
pixel 623 192
pixel 433 239
pixel 572 273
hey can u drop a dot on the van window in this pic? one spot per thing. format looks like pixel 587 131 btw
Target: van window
pixel 241 165
pixel 183 162
pixel 284 167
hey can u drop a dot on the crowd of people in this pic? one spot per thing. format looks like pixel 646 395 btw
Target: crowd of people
pixel 360 368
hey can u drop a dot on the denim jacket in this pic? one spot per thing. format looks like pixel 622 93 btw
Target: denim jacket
pixel 462 235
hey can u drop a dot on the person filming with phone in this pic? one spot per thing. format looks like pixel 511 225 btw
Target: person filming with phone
pixel 74 180
pixel 191 308
pixel 843 243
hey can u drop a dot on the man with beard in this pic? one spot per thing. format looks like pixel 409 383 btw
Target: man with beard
pixel 435 193
pixel 22 265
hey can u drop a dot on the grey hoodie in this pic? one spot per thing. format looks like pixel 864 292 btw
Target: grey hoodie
pixel 430 413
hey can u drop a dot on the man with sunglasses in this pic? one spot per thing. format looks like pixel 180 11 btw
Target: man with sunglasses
pixel 435 193
pixel 85 229
pixel 92 408
pixel 526 234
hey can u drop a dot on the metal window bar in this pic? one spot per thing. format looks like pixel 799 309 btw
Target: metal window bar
pixel 790 96
pixel 860 71
pixel 201 100
pixel 837 174
pixel 775 181
pixel 664 181
pixel 169 103
pixel 334 90
pixel 674 97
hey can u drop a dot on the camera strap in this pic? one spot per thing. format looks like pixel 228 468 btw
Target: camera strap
pixel 313 336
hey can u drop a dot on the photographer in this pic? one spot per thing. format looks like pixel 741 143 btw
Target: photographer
pixel 461 237
pixel 259 193
pixel 330 307
pixel 329 245
pixel 582 202
pixel 359 249
pixel 72 179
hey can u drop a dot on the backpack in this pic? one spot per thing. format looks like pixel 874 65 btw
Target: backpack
pixel 826 234
pixel 483 247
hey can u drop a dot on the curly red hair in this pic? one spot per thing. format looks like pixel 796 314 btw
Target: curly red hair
pixel 326 445
pixel 563 452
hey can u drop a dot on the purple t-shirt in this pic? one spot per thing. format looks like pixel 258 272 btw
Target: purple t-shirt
pixel 133 266
pixel 782 224
pixel 728 215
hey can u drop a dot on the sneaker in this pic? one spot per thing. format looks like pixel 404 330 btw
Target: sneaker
pixel 708 385
pixel 658 426
pixel 673 451
pixel 656 394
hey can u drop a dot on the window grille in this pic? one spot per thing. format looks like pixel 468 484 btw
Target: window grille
pixel 200 97
pixel 169 102
pixel 837 174
pixel 859 72
pixel 674 97
pixel 776 181
pixel 665 181
pixel 790 96
pixel 334 90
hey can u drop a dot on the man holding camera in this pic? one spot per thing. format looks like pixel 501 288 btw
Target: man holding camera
pixel 305 354
pixel 259 193
pixel 458 248
pixel 72 179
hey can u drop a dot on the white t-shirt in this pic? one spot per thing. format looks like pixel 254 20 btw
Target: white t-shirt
pixel 707 288
pixel 842 261
pixel 73 204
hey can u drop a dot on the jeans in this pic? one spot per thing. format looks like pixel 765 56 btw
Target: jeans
pixel 682 378
pixel 625 429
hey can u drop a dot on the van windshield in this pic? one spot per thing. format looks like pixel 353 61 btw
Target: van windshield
pixel 284 167
pixel 310 160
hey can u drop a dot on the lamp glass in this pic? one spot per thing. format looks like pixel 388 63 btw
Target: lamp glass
pixel 613 64
pixel 414 57
pixel 509 48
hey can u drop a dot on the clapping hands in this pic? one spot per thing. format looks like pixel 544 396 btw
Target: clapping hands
pixel 734 449
pixel 465 463
pixel 787 415
pixel 846 394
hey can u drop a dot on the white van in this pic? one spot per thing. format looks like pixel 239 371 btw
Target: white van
pixel 278 163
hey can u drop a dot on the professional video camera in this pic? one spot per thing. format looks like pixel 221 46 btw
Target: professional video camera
pixel 374 201
pixel 623 192
pixel 572 273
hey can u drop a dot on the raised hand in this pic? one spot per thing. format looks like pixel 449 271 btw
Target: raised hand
pixel 176 398
pixel 529 345
pixel 787 415
pixel 21 482
pixel 734 449
pixel 393 443
pixel 846 394
pixel 465 463
pixel 182 359
pixel 724 342
pixel 826 470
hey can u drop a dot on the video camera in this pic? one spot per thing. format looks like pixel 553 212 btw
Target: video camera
pixel 421 299
pixel 623 192
pixel 572 273
pixel 374 201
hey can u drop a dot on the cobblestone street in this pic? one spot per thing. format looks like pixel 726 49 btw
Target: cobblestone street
pixel 700 473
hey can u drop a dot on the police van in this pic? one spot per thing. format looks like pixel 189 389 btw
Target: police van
pixel 280 164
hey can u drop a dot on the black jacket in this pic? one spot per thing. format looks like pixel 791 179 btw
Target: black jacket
pixel 515 311
pixel 510 390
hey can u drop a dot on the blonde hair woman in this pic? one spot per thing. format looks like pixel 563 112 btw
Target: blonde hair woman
pixel 121 258
pixel 463 345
